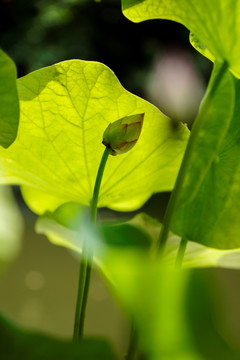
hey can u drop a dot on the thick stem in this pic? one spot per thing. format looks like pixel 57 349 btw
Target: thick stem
pixel 87 257
pixel 186 160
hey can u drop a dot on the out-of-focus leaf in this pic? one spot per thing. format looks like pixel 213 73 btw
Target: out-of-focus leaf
pixel 156 296
pixel 65 109
pixel 67 227
pixel 11 227
pixel 9 104
pixel 18 344
pixel 215 23
pixel 204 312
pixel 153 295
pixel 208 209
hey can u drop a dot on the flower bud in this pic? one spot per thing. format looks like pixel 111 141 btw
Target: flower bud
pixel 122 135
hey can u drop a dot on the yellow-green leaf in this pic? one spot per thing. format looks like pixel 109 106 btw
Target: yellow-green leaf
pixel 214 22
pixel 65 109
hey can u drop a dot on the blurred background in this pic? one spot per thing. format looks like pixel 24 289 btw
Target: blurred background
pixel 154 60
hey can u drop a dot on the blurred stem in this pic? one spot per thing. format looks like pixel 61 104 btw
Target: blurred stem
pixel 187 158
pixel 132 347
pixel 77 333
pixel 87 257
pixel 181 253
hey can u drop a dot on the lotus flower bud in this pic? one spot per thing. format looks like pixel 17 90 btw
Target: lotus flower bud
pixel 122 135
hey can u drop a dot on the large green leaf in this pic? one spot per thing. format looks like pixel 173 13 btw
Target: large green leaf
pixel 65 109
pixel 9 105
pixel 18 344
pixel 215 23
pixel 208 210
pixel 67 227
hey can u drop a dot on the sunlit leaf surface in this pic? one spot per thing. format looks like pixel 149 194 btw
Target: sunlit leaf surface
pixel 9 105
pixel 65 109
pixel 16 343
pixel 215 23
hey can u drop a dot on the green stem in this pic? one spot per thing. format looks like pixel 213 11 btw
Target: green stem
pixel 181 253
pixel 87 257
pixel 132 347
pixel 81 285
pixel 186 160
pixel 93 205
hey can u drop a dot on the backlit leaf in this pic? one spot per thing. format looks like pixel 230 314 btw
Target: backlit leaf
pixel 215 23
pixel 199 46
pixel 65 109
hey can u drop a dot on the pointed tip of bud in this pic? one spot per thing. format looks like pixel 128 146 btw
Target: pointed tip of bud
pixel 122 135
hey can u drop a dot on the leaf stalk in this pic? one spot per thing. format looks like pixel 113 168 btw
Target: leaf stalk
pixel 87 257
